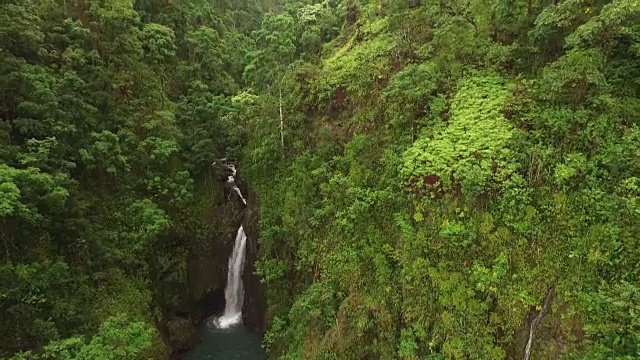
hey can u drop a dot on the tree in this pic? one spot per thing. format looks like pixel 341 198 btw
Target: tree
pixel 274 52
pixel 117 339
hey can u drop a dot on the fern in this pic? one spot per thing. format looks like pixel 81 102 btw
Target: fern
pixel 472 148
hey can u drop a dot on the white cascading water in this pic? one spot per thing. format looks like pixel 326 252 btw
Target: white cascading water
pixel 232 182
pixel 234 293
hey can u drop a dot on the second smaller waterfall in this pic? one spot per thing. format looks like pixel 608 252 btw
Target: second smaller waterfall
pixel 234 293
pixel 232 182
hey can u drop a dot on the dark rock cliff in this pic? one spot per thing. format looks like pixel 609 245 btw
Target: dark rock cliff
pixel 191 287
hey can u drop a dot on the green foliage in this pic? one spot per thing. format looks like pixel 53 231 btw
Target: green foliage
pixel 34 294
pixel 116 339
pixel 472 149
pixel 446 165
pixel 105 153
pixel 318 24
pixel 612 23
pixel 317 303
pixel 208 59
pixel 199 114
pixel 575 76
pixel 451 163
pixel 487 279
pixel 112 113
pixel 558 17
pixel 10 198
pixel 275 49
pixel 356 67
pixel 407 95
pixel 26 191
pixel 146 222
pixel 159 43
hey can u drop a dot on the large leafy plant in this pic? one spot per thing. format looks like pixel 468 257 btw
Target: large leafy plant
pixel 472 150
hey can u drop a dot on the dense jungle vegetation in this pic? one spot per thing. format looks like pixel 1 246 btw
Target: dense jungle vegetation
pixel 451 179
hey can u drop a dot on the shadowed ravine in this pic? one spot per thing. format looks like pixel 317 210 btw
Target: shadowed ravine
pixel 225 337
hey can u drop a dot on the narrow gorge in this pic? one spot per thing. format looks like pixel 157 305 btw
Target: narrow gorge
pixel 224 335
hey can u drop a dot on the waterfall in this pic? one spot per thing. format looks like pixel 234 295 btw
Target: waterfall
pixel 234 293
pixel 231 181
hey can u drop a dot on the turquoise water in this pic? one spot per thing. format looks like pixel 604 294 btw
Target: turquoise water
pixel 237 342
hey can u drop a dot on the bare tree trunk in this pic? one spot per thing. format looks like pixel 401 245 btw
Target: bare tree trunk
pixel 281 123
pixel 536 320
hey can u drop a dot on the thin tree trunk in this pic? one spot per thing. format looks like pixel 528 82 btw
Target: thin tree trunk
pixel 281 123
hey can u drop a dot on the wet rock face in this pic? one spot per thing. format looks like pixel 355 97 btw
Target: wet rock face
pixel 205 266
pixel 197 291
pixel 181 334
pixel 191 287
pixel 208 258
pixel 243 204
pixel 211 304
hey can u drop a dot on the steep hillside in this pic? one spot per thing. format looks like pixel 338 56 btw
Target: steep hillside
pixel 451 181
